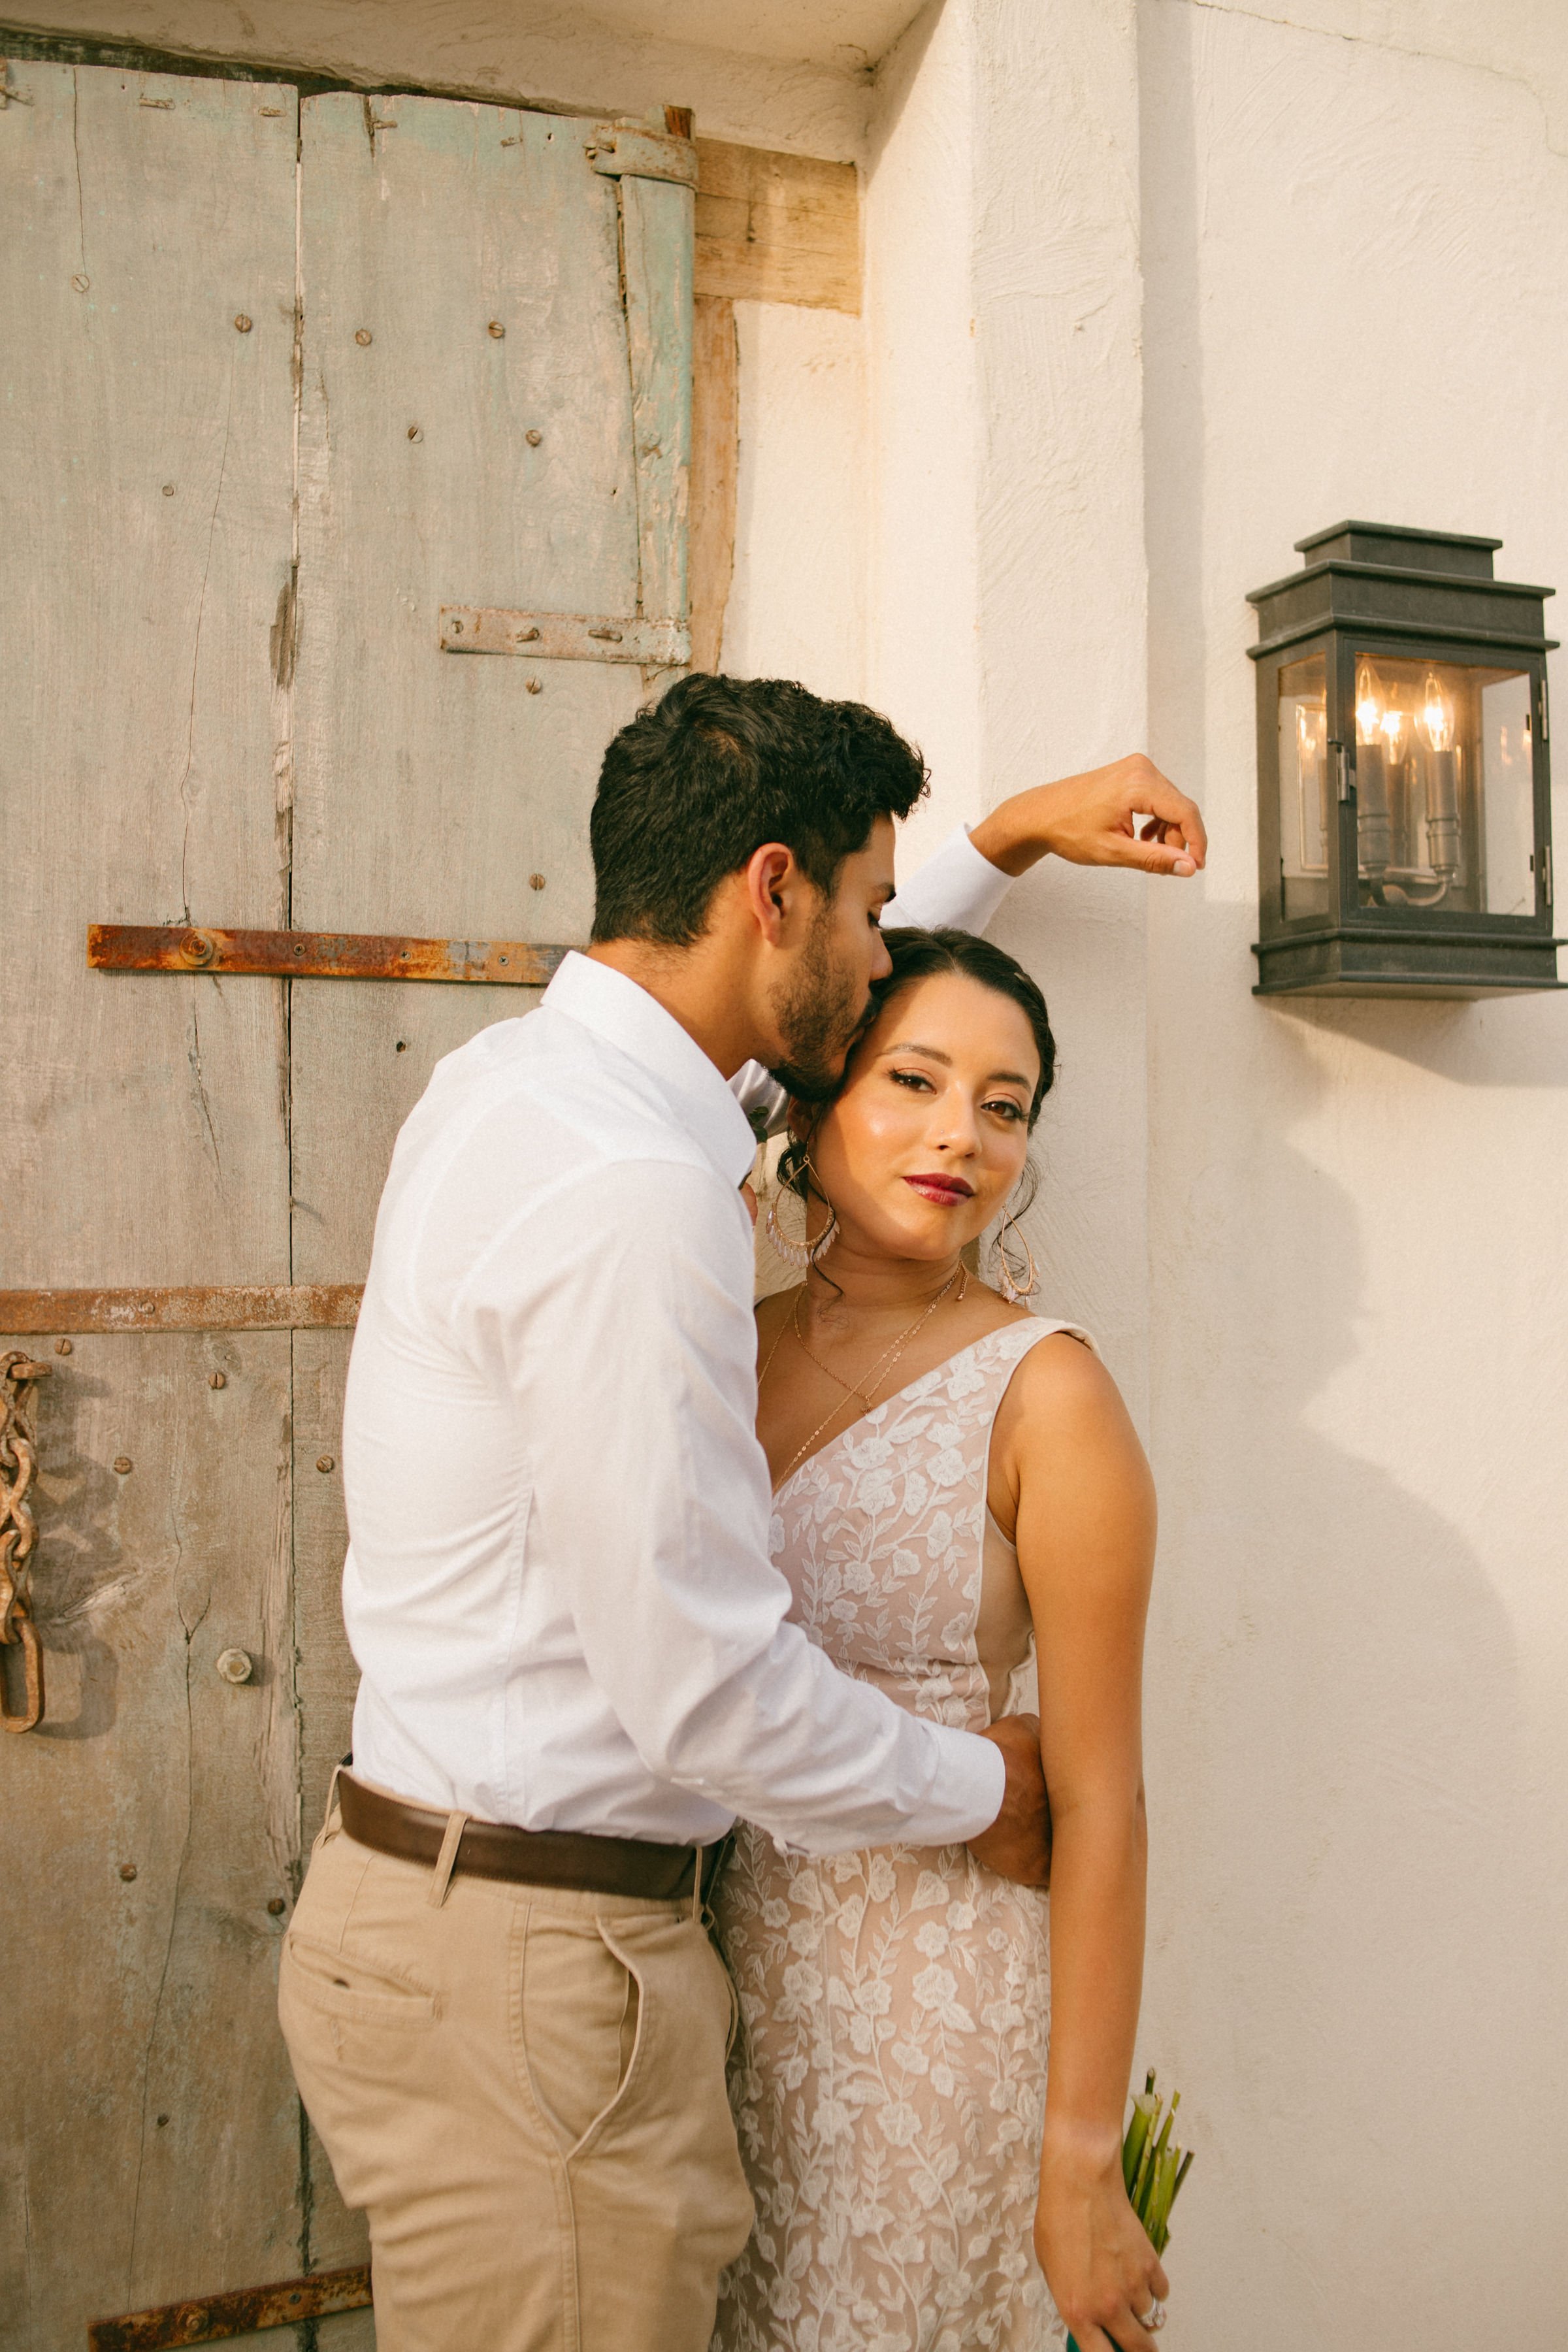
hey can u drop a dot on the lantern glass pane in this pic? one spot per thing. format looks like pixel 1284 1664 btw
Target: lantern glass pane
pixel 1508 791
pixel 1444 779
pixel 1304 787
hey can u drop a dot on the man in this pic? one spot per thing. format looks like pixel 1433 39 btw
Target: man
pixel 506 2018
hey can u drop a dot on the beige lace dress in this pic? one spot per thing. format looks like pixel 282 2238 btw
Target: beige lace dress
pixel 889 2079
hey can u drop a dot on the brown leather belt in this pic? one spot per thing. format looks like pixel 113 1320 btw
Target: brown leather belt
pixel 594 1866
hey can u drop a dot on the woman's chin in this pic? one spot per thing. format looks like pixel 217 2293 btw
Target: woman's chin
pixel 931 1234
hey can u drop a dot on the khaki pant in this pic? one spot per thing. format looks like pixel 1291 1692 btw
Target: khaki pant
pixel 524 2089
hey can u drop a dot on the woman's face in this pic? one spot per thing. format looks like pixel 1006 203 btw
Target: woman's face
pixel 925 1143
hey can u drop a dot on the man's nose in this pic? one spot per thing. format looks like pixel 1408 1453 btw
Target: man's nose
pixel 882 961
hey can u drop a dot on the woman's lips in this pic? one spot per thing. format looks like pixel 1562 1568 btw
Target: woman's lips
pixel 945 1191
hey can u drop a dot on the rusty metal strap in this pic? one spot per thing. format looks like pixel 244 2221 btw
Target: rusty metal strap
pixel 317 955
pixel 565 637
pixel 231 1306
pixel 242 2313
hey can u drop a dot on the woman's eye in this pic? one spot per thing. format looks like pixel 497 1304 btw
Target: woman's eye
pixel 1006 1108
pixel 910 1078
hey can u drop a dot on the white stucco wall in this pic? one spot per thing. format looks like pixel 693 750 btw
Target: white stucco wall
pixel 1354 256
pixel 1007 566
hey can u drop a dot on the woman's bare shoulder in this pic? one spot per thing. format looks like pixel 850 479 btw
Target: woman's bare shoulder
pixel 1061 1389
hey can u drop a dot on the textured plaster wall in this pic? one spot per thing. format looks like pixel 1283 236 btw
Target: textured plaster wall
pixel 1006 629
pixel 797 605
pixel 1353 257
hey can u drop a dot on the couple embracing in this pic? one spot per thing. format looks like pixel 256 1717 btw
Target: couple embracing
pixel 865 1571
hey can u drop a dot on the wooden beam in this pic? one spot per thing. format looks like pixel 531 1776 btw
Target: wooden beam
pixel 772 227
pixel 715 471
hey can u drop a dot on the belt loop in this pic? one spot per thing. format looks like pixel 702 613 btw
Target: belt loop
pixel 697 1884
pixel 446 1860
pixel 332 1798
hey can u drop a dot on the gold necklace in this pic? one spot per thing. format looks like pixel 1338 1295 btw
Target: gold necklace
pixel 866 1388
pixel 885 1363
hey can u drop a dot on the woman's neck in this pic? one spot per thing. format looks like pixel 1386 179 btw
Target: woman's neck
pixel 859 1286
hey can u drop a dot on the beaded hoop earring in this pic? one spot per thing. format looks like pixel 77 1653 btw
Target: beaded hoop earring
pixel 1014 1291
pixel 802 1256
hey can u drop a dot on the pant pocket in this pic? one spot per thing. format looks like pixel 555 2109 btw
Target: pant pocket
pixel 582 2012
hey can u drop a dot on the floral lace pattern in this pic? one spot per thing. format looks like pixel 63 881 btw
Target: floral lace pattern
pixel 889 2080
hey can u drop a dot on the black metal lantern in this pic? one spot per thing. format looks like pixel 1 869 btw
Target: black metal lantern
pixel 1405 813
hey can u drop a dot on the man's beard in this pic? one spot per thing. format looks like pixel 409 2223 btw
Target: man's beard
pixel 818 1020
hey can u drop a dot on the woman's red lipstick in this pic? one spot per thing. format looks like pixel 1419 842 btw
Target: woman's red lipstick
pixel 945 1191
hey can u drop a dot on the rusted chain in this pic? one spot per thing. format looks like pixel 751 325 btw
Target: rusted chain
pixel 19 1535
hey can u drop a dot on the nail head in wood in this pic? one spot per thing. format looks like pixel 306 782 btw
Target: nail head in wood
pixel 62 1347
pixel 536 881
pixel 497 330
pixel 235 1665
pixel 276 1906
pixel 122 1466
pixel 534 437
pixel 536 686
pixel 217 1380
pixel 168 489
pixel 128 1871
pixel 362 336
pixel 241 322
pixel 325 1461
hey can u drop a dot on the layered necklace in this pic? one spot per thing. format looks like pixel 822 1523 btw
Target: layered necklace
pixel 865 1388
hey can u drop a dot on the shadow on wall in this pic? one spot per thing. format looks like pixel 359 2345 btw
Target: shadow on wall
pixel 1347 1948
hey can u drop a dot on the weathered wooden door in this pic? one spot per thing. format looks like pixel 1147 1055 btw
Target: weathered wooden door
pixel 281 384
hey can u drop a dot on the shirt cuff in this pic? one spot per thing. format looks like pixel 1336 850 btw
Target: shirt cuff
pixel 973 1783
pixel 957 889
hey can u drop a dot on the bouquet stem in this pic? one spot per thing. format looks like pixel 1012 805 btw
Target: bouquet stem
pixel 1153 2166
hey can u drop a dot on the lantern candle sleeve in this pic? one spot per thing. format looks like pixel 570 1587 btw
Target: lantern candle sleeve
pixel 1405 840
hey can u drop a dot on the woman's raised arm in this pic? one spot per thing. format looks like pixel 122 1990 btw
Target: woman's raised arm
pixel 1069 1459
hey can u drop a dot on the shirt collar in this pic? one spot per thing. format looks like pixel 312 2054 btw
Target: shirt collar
pixel 628 1018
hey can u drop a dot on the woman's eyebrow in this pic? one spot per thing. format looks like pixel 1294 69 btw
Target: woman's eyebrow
pixel 935 1054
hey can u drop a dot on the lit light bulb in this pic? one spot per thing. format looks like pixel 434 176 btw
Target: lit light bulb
pixel 1393 724
pixel 1368 704
pixel 1436 714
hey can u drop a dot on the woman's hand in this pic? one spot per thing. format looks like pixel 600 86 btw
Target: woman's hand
pixel 1099 2263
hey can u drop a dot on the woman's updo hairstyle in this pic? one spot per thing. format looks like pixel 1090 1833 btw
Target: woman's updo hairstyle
pixel 922 955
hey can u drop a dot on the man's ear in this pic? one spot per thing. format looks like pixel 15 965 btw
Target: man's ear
pixel 773 883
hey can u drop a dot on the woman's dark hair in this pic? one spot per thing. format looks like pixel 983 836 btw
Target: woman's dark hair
pixel 921 955
pixel 701 778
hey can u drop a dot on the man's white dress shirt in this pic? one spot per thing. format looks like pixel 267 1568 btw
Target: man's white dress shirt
pixel 558 1587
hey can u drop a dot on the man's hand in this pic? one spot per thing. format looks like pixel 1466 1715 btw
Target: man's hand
pixel 1018 1843
pixel 1095 820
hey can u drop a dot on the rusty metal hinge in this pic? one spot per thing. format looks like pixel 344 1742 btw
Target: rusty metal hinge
pixel 18 1537
pixel 565 637
pixel 243 2312
pixel 623 150
pixel 317 955
pixel 212 1307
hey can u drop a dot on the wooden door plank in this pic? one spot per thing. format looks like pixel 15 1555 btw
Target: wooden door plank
pixel 655 254
pixel 146 433
pixel 151 1823
pixel 145 462
pixel 432 791
pixel 327 1681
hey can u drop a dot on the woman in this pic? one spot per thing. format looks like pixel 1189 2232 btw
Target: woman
pixel 960 1500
